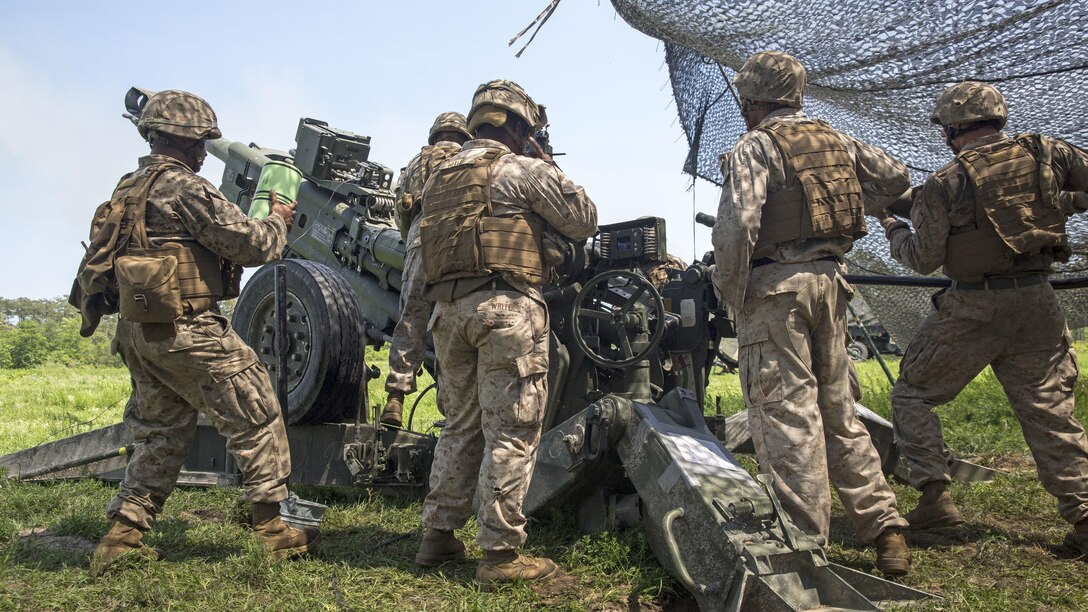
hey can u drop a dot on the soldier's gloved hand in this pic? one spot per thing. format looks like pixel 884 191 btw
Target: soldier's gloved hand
pixel 285 211
pixel 889 222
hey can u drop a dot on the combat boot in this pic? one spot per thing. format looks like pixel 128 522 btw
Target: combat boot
pixel 394 406
pixel 281 539
pixel 1078 538
pixel 935 509
pixel 123 537
pixel 438 547
pixel 508 565
pixel 892 554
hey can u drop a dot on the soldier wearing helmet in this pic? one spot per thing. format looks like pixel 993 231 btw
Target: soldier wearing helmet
pixel 994 218
pixel 485 213
pixel 447 134
pixel 180 350
pixel 792 203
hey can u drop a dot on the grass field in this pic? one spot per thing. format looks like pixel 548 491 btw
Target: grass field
pixel 1007 557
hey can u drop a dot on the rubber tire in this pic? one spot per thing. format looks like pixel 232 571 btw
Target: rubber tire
pixel 857 351
pixel 329 388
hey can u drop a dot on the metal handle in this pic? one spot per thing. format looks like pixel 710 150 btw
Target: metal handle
pixel 596 436
pixel 674 552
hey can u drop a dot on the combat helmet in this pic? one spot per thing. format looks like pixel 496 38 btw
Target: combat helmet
pixel 772 76
pixel 178 113
pixel 448 122
pixel 970 102
pixel 494 99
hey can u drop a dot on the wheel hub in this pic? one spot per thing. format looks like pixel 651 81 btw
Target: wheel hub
pixel 299 334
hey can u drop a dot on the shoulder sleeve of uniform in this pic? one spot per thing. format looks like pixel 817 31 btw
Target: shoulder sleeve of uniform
pixel 751 164
pixel 924 249
pixel 550 193
pixel 880 173
pixel 1070 164
pixel 222 227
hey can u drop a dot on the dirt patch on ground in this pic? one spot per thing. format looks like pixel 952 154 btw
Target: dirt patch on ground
pixel 557 591
pixel 43 538
pixel 1008 462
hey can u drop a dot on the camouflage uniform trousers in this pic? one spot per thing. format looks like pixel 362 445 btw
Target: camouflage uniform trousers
pixel 197 364
pixel 410 335
pixel 1021 334
pixel 493 354
pixel 795 374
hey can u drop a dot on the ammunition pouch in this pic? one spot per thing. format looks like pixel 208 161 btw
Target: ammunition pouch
pixel 822 197
pixel 149 288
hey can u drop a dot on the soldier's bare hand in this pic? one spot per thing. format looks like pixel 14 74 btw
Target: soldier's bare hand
pixel 539 152
pixel 285 211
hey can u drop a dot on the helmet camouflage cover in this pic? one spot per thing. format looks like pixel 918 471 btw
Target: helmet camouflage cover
pixel 495 98
pixel 772 76
pixel 448 122
pixel 178 113
pixel 970 102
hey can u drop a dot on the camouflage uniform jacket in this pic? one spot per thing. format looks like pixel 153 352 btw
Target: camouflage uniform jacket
pixel 756 168
pixel 520 183
pixel 949 195
pixel 184 205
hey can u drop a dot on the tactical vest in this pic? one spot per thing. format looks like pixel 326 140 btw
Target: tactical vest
pixel 1015 208
pixel 460 234
pixel 822 195
pixel 410 202
pixel 122 273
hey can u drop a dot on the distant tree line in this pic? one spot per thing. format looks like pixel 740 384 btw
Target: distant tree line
pixel 35 332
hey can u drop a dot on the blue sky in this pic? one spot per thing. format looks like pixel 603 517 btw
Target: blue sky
pixel 382 69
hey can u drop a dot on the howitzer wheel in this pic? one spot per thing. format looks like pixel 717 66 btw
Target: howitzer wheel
pixel 324 343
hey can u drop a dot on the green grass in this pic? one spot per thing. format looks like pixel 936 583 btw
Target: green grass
pixel 1006 557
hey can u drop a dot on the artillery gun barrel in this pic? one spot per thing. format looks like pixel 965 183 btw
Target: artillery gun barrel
pixel 224 149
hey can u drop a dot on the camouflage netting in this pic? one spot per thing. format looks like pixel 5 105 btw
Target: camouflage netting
pixel 875 70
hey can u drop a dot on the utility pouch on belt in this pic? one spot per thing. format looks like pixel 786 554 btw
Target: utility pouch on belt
pixel 149 288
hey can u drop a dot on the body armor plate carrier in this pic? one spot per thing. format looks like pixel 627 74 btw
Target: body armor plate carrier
pixel 410 203
pixel 822 197
pixel 1015 208
pixel 462 237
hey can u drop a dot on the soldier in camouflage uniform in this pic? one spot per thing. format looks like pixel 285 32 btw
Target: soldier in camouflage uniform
pixel 447 135
pixel 792 203
pixel 994 219
pixel 196 363
pixel 490 325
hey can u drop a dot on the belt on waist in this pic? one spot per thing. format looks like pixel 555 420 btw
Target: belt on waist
pixel 762 261
pixel 497 284
pixel 1001 282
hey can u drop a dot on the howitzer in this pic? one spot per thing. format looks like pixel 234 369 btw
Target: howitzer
pixel 344 224
pixel 625 440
